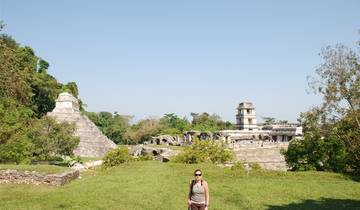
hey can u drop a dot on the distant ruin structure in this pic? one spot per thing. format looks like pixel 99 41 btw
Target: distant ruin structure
pixel 93 143
pixel 246 117
pixel 259 143
pixel 251 142
pixel 250 132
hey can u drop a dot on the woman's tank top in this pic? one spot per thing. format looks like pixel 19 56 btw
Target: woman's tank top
pixel 198 195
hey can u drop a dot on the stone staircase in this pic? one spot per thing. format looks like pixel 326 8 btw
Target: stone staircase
pixel 93 143
pixel 268 157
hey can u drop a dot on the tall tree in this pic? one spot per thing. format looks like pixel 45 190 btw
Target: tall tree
pixel 338 81
pixel 332 130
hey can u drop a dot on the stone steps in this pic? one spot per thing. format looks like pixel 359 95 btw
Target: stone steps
pixel 267 157
pixel 93 143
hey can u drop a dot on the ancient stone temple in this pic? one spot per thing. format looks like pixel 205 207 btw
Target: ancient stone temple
pixel 259 143
pixel 93 143
pixel 250 132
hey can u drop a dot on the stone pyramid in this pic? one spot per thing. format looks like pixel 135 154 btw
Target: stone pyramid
pixel 93 143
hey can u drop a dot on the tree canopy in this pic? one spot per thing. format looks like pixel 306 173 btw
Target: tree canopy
pixel 27 93
pixel 332 129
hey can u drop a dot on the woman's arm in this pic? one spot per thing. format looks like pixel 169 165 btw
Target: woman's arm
pixel 207 197
pixel 189 196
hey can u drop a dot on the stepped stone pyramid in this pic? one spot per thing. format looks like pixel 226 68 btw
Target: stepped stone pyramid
pixel 93 143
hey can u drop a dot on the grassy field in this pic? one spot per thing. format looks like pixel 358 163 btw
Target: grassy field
pixel 47 169
pixel 155 185
pixel 87 159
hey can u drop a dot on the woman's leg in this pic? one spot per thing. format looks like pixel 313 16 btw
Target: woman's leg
pixel 197 206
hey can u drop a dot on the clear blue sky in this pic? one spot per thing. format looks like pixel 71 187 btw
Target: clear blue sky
pixel 147 58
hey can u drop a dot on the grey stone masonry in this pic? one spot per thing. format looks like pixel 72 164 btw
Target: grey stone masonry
pixel 267 156
pixel 32 177
pixel 93 143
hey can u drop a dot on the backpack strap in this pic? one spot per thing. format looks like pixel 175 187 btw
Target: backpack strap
pixel 191 188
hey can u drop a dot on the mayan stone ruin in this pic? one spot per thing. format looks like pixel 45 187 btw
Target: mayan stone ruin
pixel 93 143
pixel 260 143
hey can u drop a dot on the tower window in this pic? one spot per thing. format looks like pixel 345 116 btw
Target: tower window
pixel 248 111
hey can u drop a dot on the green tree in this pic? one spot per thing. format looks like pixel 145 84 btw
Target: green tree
pixel 331 131
pixel 205 151
pixel 350 138
pixel 45 91
pixel 27 91
pixel 143 130
pixel 14 79
pixel 117 156
pixel 207 122
pixel 71 88
pixel 24 77
pixel 269 120
pixel 51 138
pixel 338 81
pixel 114 126
pixel 174 125
pixel 15 120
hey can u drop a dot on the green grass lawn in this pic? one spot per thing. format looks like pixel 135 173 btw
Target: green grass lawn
pixel 47 169
pixel 87 159
pixel 155 185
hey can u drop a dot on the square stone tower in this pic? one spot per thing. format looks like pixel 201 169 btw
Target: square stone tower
pixel 246 117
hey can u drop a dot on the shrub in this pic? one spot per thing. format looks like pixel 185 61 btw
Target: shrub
pixel 65 161
pixel 323 154
pixel 205 151
pixel 255 167
pixel 15 146
pixel 237 170
pixel 18 149
pixel 116 157
pixel 238 166
pixel 51 138
pixel 147 156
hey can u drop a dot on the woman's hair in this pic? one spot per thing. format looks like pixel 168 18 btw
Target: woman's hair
pixel 197 171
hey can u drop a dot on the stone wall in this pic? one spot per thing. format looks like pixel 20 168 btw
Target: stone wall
pixel 32 177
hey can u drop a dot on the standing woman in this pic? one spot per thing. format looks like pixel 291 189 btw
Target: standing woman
pixel 199 193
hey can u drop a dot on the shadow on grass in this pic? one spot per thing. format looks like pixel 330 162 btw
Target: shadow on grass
pixel 323 203
pixel 355 178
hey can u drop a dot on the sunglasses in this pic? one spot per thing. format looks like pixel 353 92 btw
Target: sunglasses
pixel 197 174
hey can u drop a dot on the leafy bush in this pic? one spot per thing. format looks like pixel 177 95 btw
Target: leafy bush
pixel 147 156
pixel 113 126
pixel 17 149
pixel 205 151
pixel 65 161
pixel 143 131
pixel 323 154
pixel 238 166
pixel 15 118
pixel 117 156
pixel 51 138
pixel 255 167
